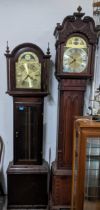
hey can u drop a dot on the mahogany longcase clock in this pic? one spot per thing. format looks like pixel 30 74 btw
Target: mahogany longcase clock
pixel 75 52
pixel 27 76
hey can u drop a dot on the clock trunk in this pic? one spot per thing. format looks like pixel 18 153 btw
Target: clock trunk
pixel 28 130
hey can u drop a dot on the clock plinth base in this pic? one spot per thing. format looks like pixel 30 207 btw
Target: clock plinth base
pixel 61 207
pixel 27 186
pixel 61 188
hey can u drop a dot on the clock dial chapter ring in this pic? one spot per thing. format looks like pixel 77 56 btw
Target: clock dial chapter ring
pixel 28 74
pixel 31 75
pixel 75 60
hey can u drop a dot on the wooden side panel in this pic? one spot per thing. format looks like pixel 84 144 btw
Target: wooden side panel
pixel 27 186
pixel 61 190
pixel 71 105
pixel 27 189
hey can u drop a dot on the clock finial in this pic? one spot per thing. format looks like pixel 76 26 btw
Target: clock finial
pixel 79 9
pixel 79 14
pixel 7 49
pixel 48 49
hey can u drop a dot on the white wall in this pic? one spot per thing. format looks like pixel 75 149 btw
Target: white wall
pixel 31 21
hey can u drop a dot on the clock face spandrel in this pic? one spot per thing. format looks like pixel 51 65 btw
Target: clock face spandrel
pixel 75 57
pixel 28 71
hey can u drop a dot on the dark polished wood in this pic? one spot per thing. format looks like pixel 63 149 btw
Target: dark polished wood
pixel 71 95
pixel 77 26
pixel 11 67
pixel 27 175
pixel 61 181
pixel 28 130
pixel 72 86
pixel 27 186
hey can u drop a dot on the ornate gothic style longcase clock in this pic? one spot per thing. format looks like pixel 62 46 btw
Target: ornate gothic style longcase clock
pixel 27 76
pixel 75 52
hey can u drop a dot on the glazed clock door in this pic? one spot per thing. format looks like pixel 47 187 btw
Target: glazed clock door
pixel 92 174
pixel 86 165
pixel 28 133
pixel 75 56
pixel 28 71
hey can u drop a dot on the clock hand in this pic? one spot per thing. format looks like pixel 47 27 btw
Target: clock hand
pixel 26 68
pixel 32 78
pixel 74 60
pixel 25 78
pixel 71 56
pixel 29 81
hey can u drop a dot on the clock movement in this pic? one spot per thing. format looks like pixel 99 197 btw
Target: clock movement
pixel 76 40
pixel 27 82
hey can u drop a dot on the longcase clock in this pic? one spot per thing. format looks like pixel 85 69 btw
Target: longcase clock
pixel 27 174
pixel 75 53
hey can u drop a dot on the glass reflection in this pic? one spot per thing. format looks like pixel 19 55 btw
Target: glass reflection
pixel 92 175
pixel 75 171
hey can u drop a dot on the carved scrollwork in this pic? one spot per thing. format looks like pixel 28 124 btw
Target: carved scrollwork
pixel 76 23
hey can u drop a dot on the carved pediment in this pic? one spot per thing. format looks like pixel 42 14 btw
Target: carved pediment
pixel 76 23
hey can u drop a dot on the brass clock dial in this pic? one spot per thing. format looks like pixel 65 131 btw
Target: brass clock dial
pixel 28 71
pixel 75 57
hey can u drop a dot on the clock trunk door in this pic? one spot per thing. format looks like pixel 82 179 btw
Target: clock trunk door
pixel 28 134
